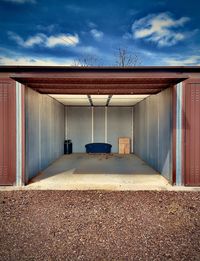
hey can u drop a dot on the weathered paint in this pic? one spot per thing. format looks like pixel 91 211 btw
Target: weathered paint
pixel 44 131
pixel 7 132
pixel 192 127
pixel 153 131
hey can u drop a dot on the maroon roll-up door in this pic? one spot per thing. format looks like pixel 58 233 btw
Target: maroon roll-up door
pixel 7 132
pixel 192 125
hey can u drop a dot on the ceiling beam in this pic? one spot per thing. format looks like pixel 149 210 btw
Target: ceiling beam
pixel 108 100
pixel 90 100
pixel 99 74
pixel 98 86
pixel 96 91
pixel 98 80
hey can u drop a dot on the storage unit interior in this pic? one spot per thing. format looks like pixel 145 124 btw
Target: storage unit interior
pixel 95 111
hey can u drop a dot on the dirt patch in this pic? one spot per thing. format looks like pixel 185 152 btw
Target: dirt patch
pixel 78 225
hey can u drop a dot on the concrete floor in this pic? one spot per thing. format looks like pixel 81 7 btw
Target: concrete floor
pixel 99 171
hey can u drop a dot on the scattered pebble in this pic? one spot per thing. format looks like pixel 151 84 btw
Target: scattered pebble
pixel 98 225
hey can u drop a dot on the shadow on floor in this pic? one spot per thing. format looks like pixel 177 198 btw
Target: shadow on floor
pixel 81 163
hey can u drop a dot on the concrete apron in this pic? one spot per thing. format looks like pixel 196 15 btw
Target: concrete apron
pixel 139 183
pixel 101 182
pixel 71 173
pixel 99 172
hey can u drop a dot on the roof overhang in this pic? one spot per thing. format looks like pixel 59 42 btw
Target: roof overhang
pixel 100 81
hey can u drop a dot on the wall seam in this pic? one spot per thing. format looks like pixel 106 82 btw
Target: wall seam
pixel 92 124
pixel 132 129
pixel 18 134
pixel 158 161
pixel 66 122
pixel 106 124
pixel 179 135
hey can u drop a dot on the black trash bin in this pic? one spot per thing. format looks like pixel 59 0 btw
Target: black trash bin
pixel 68 147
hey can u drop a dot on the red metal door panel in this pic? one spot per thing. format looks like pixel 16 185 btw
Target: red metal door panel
pixel 7 132
pixel 192 124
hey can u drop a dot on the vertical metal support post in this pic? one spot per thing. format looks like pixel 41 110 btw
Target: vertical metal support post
pixel 179 96
pixel 132 129
pixel 158 126
pixel 106 124
pixel 18 135
pixel 92 124
pixel 66 123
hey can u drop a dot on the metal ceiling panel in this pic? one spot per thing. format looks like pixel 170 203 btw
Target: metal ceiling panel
pixel 72 100
pixel 99 100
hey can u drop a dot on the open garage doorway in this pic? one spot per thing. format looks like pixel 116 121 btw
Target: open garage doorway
pixel 89 106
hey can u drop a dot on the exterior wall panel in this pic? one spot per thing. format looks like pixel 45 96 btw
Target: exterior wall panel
pixel 7 132
pixel 79 127
pixel 192 125
pixel 119 125
pixel 165 133
pixel 99 124
pixel 44 131
pixel 153 131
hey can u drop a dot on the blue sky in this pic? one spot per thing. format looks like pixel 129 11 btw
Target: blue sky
pixel 50 32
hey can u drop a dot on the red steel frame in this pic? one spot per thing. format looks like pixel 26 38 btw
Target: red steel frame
pixel 143 72
pixel 7 131
pixel 192 139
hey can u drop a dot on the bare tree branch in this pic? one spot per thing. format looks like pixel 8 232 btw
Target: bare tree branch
pixel 87 60
pixel 123 58
pixel 126 58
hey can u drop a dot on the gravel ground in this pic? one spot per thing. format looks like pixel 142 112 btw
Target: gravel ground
pixel 96 225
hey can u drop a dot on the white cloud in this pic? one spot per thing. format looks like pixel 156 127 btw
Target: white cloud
pixel 161 29
pixel 96 34
pixel 48 41
pixel 191 60
pixel 20 1
pixel 62 39
pixel 34 61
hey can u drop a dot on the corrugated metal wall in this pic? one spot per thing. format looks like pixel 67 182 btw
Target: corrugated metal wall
pixel 119 124
pixel 7 132
pixel 192 125
pixel 153 131
pixel 99 124
pixel 79 125
pixel 44 131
